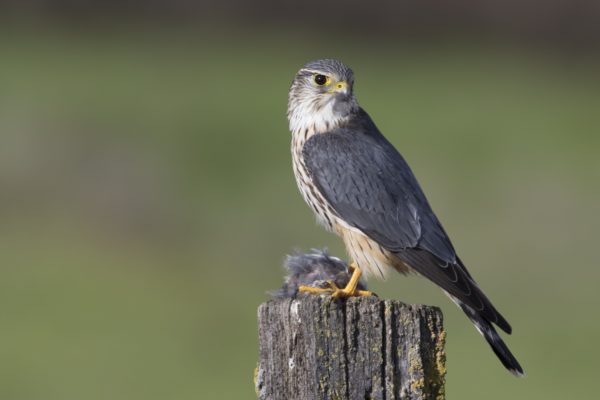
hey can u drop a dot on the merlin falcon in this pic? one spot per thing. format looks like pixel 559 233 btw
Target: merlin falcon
pixel 362 189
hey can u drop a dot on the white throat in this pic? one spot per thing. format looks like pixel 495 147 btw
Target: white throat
pixel 311 117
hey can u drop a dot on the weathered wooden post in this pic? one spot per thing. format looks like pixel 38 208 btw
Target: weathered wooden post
pixel 316 347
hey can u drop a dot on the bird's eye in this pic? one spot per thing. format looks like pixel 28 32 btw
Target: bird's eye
pixel 321 79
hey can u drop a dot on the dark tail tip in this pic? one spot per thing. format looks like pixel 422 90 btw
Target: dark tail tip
pixel 495 341
pixel 503 353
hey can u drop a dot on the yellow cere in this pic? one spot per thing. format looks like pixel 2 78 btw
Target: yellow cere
pixel 338 86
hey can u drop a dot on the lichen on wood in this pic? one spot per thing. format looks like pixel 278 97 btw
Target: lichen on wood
pixel 315 347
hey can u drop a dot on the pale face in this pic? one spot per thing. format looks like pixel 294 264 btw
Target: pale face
pixel 320 97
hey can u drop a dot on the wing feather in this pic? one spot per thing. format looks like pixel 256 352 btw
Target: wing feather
pixel 371 187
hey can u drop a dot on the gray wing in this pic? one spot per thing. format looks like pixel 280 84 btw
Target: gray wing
pixel 371 187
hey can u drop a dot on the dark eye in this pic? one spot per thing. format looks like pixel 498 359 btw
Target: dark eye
pixel 320 79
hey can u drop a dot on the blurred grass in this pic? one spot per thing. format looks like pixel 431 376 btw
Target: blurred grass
pixel 147 202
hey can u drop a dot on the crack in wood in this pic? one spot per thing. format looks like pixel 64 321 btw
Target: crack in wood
pixel 315 347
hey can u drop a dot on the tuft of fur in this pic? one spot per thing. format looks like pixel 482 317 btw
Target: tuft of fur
pixel 313 269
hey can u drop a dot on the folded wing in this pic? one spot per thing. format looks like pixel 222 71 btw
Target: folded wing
pixel 371 187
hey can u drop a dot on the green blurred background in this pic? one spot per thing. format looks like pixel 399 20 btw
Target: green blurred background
pixel 147 199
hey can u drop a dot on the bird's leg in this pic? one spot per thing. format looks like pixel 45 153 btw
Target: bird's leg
pixel 350 289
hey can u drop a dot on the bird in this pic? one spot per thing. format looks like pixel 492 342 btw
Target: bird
pixel 362 189
pixel 316 269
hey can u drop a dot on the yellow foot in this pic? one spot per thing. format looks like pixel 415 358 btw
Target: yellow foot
pixel 343 293
pixel 309 289
pixel 335 291
pixel 349 291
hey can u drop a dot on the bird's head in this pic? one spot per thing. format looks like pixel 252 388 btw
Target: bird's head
pixel 321 96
